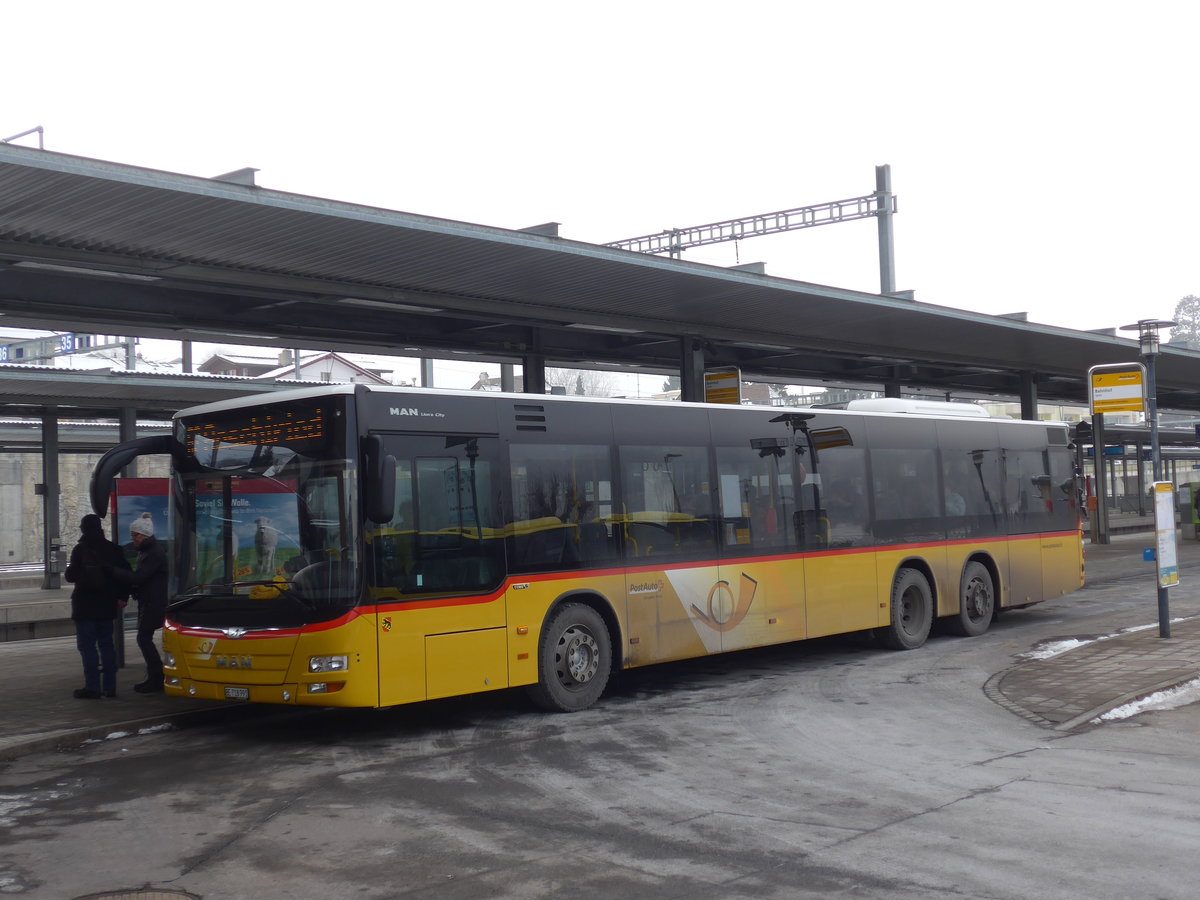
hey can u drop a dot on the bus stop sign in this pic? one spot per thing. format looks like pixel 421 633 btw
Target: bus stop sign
pixel 1117 387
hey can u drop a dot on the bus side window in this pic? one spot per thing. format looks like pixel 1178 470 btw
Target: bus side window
pixel 1038 490
pixel 562 507
pixel 393 543
pixel 909 501
pixel 441 536
pixel 973 494
pixel 668 502
pixel 1061 468
pixel 839 499
pixel 757 497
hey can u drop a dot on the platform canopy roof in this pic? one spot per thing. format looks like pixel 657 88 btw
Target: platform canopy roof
pixel 94 246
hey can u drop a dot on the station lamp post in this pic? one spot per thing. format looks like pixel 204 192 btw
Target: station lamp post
pixel 1147 330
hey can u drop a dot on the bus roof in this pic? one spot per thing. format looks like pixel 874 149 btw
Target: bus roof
pixel 877 406
pixel 917 407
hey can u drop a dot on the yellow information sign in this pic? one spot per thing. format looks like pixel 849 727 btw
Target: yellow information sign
pixel 1120 387
pixel 723 385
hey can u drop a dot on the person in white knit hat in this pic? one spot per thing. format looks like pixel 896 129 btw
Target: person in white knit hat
pixel 148 583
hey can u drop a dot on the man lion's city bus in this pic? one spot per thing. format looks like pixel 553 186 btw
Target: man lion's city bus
pixel 360 546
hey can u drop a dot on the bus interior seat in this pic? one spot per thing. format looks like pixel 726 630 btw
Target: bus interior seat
pixel 699 533
pixel 594 543
pixel 541 549
pixel 650 539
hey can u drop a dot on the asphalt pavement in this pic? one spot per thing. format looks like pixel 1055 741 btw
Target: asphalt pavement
pixel 1065 691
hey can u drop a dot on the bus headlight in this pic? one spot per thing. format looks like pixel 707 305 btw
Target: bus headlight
pixel 328 663
pixel 169 660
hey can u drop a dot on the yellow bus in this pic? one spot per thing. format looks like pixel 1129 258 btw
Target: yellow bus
pixel 368 547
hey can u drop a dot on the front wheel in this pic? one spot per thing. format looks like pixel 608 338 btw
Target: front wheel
pixel 977 602
pixel 912 611
pixel 574 660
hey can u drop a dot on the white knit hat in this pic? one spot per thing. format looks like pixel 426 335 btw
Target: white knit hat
pixel 143 524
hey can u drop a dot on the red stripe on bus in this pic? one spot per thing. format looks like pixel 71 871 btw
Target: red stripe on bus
pixel 390 606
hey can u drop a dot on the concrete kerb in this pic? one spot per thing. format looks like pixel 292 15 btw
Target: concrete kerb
pixel 65 739
pixel 1077 723
pixel 991 690
pixel 69 739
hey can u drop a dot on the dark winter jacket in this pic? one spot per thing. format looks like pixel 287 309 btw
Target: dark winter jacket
pixel 149 577
pixel 93 569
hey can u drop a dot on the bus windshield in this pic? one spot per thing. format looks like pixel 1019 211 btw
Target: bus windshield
pixel 272 537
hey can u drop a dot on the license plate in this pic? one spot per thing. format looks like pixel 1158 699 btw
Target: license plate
pixel 237 693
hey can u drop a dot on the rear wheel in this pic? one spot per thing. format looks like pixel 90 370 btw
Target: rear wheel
pixel 912 611
pixel 976 602
pixel 574 660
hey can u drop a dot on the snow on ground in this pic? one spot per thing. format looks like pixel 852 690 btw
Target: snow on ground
pixel 1054 648
pixel 1171 698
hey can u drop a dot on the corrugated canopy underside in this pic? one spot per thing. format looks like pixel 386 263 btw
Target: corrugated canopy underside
pixel 175 256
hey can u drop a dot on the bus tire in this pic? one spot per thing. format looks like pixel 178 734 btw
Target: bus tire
pixel 574 659
pixel 976 602
pixel 912 611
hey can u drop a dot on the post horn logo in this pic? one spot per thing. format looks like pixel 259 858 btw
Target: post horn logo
pixel 724 613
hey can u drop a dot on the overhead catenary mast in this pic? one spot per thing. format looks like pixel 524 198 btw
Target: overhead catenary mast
pixel 880 205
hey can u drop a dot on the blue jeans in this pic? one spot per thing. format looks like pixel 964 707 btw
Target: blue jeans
pixel 94 638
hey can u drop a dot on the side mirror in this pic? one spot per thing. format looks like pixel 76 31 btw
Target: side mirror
pixel 118 458
pixel 379 481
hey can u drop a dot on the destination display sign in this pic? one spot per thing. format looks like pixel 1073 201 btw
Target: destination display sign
pixel 228 438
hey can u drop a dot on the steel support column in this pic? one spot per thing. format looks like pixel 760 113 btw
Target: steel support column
pixel 1100 522
pixel 691 370
pixel 1029 396
pixel 534 374
pixel 127 431
pixel 533 364
pixel 1141 481
pixel 887 244
pixel 426 366
pixel 508 379
pixel 51 537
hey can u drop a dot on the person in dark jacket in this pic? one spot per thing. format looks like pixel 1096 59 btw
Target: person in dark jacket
pixel 149 587
pixel 98 596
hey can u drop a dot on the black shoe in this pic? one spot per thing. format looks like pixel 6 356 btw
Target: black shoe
pixel 110 693
pixel 86 694
pixel 148 687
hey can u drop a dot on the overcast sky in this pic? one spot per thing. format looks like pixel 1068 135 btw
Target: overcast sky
pixel 1044 154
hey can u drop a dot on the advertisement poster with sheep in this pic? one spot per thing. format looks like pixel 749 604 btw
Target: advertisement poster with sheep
pixel 262 517
pixel 263 523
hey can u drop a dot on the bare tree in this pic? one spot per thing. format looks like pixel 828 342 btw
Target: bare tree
pixel 584 382
pixel 1187 318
